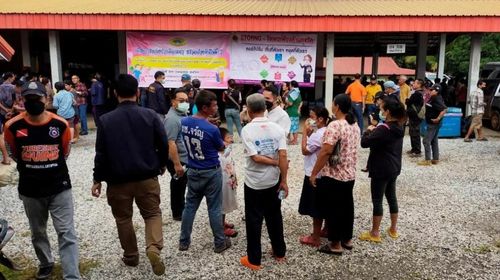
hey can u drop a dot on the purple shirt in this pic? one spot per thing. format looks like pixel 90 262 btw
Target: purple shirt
pixel 203 142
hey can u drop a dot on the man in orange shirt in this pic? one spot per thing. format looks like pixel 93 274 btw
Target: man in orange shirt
pixel 357 92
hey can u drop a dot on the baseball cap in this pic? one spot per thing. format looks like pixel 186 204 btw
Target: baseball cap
pixel 436 87
pixel 390 84
pixel 186 77
pixel 373 77
pixel 379 95
pixel 33 88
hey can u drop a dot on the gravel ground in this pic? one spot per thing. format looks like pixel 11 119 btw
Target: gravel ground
pixel 449 225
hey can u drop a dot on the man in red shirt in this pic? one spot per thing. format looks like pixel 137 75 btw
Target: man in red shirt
pixel 357 92
pixel 80 91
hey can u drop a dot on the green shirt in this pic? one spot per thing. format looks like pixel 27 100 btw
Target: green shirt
pixel 294 98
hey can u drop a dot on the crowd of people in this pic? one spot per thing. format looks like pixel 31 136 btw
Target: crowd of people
pixel 179 131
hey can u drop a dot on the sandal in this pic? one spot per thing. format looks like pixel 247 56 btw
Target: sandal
pixel 482 139
pixel 309 241
pixel 229 232
pixel 345 246
pixel 367 236
pixel 393 235
pixel 327 250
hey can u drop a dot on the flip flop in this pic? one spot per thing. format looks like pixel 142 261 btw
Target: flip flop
pixel 347 247
pixel 309 241
pixel 366 236
pixel 391 234
pixel 327 250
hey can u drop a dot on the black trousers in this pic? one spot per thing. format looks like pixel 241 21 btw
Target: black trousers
pixel 414 129
pixel 379 187
pixel 337 206
pixel 260 205
pixel 98 111
pixel 177 191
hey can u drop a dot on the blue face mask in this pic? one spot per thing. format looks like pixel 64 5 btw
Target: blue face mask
pixel 381 116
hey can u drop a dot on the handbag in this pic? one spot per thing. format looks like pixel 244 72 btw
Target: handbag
pixel 334 158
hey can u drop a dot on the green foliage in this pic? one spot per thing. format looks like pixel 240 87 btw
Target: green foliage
pixel 458 53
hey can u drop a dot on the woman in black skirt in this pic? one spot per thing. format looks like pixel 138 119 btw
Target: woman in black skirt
pixel 312 135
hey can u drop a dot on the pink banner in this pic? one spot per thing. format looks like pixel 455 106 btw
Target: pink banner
pixel 205 56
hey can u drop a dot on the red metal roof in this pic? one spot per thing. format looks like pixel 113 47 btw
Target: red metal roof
pixel 251 23
pixel 6 51
pixel 352 65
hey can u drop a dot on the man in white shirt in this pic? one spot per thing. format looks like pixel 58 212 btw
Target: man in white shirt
pixel 275 113
pixel 476 100
pixel 266 167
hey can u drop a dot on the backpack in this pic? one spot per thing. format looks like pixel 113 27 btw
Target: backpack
pixel 421 112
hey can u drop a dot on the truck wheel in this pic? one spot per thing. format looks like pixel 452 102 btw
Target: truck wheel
pixel 495 120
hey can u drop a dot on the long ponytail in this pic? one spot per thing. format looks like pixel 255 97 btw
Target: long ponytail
pixel 345 106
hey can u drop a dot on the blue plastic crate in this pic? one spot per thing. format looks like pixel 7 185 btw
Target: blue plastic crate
pixel 450 125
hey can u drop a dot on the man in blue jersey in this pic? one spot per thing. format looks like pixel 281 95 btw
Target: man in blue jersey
pixel 203 142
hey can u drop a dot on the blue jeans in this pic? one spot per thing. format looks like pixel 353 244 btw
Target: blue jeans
pixel 358 112
pixel 60 208
pixel 82 113
pixel 431 143
pixel 208 184
pixel 233 116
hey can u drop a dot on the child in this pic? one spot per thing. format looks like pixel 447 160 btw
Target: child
pixel 229 182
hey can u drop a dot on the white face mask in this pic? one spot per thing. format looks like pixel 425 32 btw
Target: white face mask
pixel 162 82
pixel 183 107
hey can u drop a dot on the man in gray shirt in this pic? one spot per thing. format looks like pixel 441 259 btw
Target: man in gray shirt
pixel 177 151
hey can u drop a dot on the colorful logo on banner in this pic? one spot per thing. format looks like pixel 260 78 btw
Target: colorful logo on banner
pixel 204 56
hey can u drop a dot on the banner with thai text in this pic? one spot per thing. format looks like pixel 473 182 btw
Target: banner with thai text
pixel 205 56
pixel 273 57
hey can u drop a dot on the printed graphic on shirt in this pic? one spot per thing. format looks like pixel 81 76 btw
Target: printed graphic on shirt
pixel 22 133
pixel 193 138
pixel 54 132
pixel 265 147
pixel 40 153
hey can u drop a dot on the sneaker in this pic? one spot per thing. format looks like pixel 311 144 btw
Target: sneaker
pixel 183 247
pixel 156 263
pixel 131 261
pixel 409 152
pixel 434 161
pixel 424 163
pixel 229 232
pixel 8 235
pixel 245 262
pixel 44 272
pixel 224 247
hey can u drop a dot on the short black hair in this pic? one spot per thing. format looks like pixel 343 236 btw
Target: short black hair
pixel 196 83
pixel 294 84
pixel 59 86
pixel 173 93
pixel 204 98
pixel 159 74
pixel 223 132
pixel 357 76
pixel 272 89
pixel 7 75
pixel 263 82
pixel 68 82
pixel 126 85
pixel 480 82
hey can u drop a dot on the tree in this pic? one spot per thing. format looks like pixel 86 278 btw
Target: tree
pixel 458 53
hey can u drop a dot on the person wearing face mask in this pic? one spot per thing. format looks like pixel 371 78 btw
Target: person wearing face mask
pixel 312 134
pixel 177 151
pixel 275 113
pixel 40 143
pixel 155 96
pixel 384 165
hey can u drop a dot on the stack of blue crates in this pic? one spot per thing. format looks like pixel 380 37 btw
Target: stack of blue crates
pixel 450 125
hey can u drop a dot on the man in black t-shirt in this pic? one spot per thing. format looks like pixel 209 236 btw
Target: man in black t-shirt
pixel 40 144
pixel 434 113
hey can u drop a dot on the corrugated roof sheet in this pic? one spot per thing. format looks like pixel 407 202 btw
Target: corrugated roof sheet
pixel 260 7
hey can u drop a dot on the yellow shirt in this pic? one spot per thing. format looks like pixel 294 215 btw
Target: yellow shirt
pixel 371 90
pixel 404 93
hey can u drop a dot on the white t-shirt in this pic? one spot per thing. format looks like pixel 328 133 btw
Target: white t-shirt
pixel 265 138
pixel 280 116
pixel 314 143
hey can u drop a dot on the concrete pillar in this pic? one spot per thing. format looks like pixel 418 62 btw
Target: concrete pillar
pixel 330 42
pixel 442 54
pixel 122 52
pixel 55 57
pixel 474 64
pixel 362 72
pixel 25 48
pixel 422 42
pixel 375 63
